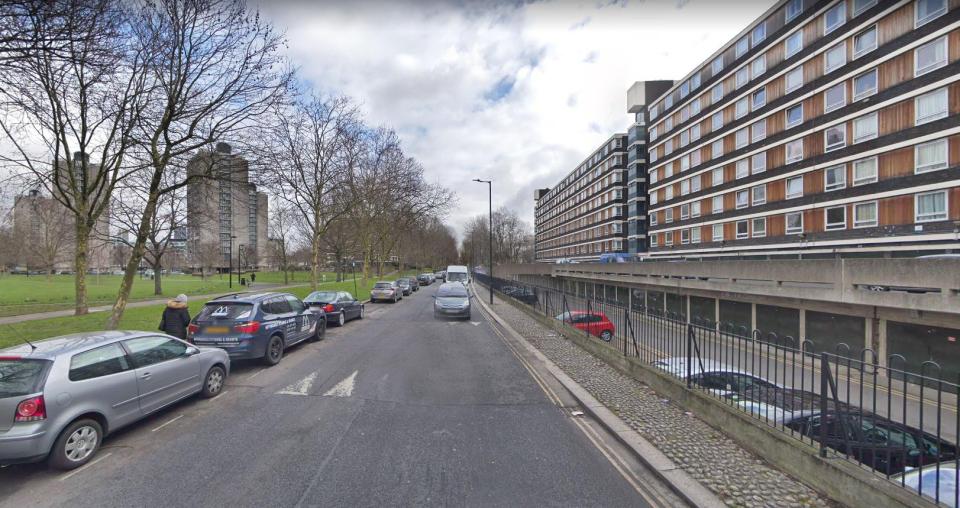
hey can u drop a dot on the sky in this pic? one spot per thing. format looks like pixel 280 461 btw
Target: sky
pixel 517 92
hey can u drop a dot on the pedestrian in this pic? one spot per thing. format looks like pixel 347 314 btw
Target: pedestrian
pixel 176 317
pixel 253 276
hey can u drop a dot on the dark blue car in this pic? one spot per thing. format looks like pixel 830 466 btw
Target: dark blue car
pixel 257 325
pixel 339 306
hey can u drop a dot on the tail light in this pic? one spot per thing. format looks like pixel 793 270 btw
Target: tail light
pixel 31 410
pixel 192 328
pixel 249 327
pixel 328 307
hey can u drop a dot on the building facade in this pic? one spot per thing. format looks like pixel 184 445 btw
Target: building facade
pixel 584 216
pixel 639 96
pixel 226 215
pixel 823 128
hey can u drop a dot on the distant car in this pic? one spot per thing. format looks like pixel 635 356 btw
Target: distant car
pixel 424 279
pixel 257 325
pixel 721 379
pixel 414 284
pixel 452 300
pixel 386 291
pixel 942 479
pixel 457 273
pixel 524 294
pixel 594 323
pixel 338 306
pixel 405 287
pixel 439 275
pixel 58 401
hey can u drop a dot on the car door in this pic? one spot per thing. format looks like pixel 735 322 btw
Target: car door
pixel 282 318
pixel 106 375
pixel 165 370
pixel 350 305
pixel 305 321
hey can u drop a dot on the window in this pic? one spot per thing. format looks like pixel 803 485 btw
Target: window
pixel 716 148
pixel 760 227
pixel 758 66
pixel 931 206
pixel 695 184
pixel 758 195
pixel 695 209
pixel 695 158
pixel 794 8
pixel 758 34
pixel 654 197
pixel 836 218
pixel 716 177
pixel 743 229
pixel 835 57
pixel 742 77
pixel 743 169
pixel 865 42
pixel 794 222
pixel 684 138
pixel 758 163
pixel 718 232
pixel 668 147
pixel 740 108
pixel 930 56
pixel 865 215
pixel 684 89
pixel 865 128
pixel 668 124
pixel 695 107
pixel 684 236
pixel 668 102
pixel 653 134
pixel 742 138
pixel 931 156
pixel 653 112
pixel 794 151
pixel 835 17
pixel 684 187
pixel 695 81
pixel 716 121
pixel 931 106
pixel 794 115
pixel 794 187
pixel 668 238
pixel 695 235
pixel 716 67
pixel 668 170
pixel 865 84
pixel 684 211
pixel 794 43
pixel 653 240
pixel 653 177
pixel 794 79
pixel 717 204
pixel 716 93
pixel 864 171
pixel 861 5
pixel 668 215
pixel 743 45
pixel 835 137
pixel 929 10
pixel 834 178
pixel 743 199
pixel 653 218
pixel 668 193
pixel 835 97
pixel 759 98
pixel 102 361
pixel 758 131
pixel 151 350
pixel 695 132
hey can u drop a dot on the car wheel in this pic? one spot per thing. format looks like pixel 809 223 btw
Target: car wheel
pixel 77 444
pixel 321 330
pixel 213 383
pixel 606 335
pixel 274 351
pixel 360 316
pixel 341 319
pixel 395 299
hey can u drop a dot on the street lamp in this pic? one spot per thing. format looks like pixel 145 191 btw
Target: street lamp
pixel 490 231
pixel 240 258
pixel 230 263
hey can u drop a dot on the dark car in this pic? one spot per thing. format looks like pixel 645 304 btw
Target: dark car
pixel 524 294
pixel 405 287
pixel 452 300
pixel 424 279
pixel 258 325
pixel 414 284
pixel 338 306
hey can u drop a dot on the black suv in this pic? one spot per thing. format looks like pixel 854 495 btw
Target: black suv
pixel 257 325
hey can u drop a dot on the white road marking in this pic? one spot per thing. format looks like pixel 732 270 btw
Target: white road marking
pixel 84 468
pixel 475 323
pixel 343 388
pixel 168 423
pixel 255 374
pixel 301 387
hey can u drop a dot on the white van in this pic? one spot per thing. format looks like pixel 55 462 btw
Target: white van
pixel 458 273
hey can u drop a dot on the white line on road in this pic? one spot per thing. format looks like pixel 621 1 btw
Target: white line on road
pixel 475 323
pixel 168 423
pixel 301 387
pixel 343 388
pixel 84 468
pixel 255 374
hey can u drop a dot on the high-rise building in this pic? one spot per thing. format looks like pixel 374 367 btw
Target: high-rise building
pixel 824 127
pixel 226 215
pixel 639 96
pixel 584 216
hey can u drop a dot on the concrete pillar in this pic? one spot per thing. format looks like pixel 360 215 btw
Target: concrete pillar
pixel 882 350
pixel 688 309
pixel 753 317
pixel 803 324
pixel 716 312
pixel 868 334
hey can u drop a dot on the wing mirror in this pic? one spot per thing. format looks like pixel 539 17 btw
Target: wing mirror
pixel 192 350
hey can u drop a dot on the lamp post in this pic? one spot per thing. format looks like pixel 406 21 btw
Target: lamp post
pixel 353 272
pixel 490 231
pixel 230 263
pixel 240 261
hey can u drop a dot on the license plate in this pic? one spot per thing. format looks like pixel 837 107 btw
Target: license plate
pixel 217 329
pixel 451 311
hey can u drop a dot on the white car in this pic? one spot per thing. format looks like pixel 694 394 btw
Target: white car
pixel 946 486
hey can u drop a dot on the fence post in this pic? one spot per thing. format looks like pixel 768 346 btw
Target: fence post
pixel 824 384
pixel 689 356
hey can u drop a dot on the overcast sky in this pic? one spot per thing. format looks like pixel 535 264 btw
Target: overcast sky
pixel 516 92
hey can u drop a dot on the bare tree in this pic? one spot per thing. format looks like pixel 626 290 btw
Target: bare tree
pixel 283 225
pixel 42 232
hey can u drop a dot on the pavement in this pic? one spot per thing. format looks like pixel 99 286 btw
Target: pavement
pixel 738 477
pixel 396 409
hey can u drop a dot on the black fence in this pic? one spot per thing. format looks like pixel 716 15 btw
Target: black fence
pixel 846 402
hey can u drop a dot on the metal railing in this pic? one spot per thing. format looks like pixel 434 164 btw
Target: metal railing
pixel 901 424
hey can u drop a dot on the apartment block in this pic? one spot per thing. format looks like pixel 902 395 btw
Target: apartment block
pixel 584 216
pixel 824 127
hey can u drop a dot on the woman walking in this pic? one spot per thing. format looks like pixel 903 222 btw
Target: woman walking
pixel 176 317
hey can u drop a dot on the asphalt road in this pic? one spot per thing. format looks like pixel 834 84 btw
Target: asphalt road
pixel 396 409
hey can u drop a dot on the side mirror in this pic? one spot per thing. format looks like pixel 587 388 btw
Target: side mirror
pixel 192 350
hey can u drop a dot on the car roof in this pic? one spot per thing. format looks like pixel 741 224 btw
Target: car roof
pixel 247 297
pixel 66 344
pixel 678 365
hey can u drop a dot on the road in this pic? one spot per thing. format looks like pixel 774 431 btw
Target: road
pixel 394 409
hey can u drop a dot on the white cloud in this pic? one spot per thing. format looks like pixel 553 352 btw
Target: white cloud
pixel 435 72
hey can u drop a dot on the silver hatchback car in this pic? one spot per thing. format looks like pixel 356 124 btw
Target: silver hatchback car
pixel 60 397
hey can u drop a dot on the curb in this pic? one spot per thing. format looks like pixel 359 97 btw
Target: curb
pixel 681 483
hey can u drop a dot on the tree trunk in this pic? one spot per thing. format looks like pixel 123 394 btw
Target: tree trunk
pixel 157 289
pixel 80 262
pixel 315 256
pixel 136 255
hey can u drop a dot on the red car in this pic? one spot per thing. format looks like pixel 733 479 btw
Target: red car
pixel 594 323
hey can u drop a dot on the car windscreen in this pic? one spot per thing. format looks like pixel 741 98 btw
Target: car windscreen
pixel 225 310
pixel 382 285
pixel 321 296
pixel 456 277
pixel 452 292
pixel 21 377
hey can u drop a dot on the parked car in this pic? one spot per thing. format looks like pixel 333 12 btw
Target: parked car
pixel 258 325
pixel 424 279
pixel 452 300
pixel 405 287
pixel 386 291
pixel 942 479
pixel 524 294
pixel 338 306
pixel 440 275
pixel 594 323
pixel 719 378
pixel 414 284
pixel 60 399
